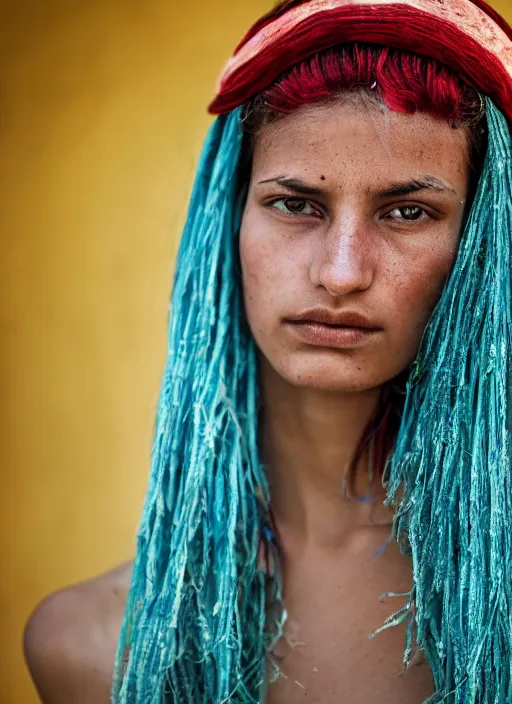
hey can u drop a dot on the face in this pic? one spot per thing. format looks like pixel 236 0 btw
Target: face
pixel 350 229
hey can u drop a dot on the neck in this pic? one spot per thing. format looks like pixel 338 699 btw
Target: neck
pixel 309 438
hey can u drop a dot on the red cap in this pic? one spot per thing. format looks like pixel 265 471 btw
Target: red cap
pixel 466 35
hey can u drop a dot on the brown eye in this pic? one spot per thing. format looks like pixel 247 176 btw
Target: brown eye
pixel 410 213
pixel 294 206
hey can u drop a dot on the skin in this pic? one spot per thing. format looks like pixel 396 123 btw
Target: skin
pixel 70 640
pixel 352 243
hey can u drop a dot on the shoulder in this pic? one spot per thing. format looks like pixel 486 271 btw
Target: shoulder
pixel 70 640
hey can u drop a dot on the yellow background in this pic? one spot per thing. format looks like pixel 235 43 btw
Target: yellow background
pixel 102 117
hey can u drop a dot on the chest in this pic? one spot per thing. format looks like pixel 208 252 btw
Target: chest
pixel 327 657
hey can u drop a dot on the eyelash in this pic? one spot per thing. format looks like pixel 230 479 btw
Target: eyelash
pixel 306 202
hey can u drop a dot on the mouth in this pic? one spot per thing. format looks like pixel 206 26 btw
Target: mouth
pixel 335 329
pixel 338 336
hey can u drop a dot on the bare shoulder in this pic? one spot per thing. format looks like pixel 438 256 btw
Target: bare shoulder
pixel 70 640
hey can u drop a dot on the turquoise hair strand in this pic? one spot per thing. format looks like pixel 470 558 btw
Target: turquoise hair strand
pixel 452 460
pixel 194 628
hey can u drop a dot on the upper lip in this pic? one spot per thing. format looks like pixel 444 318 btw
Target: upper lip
pixel 341 318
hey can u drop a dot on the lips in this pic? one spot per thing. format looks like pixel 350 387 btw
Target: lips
pixel 327 316
pixel 324 327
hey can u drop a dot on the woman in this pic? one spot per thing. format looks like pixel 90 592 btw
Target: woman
pixel 349 228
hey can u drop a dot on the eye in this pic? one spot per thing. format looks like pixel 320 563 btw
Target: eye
pixel 408 213
pixel 294 206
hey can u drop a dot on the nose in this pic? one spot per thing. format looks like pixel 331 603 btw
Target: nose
pixel 344 261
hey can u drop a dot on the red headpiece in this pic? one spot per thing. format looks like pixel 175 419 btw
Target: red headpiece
pixel 466 35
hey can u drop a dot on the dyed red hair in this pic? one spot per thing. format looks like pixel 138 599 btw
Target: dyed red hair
pixel 402 81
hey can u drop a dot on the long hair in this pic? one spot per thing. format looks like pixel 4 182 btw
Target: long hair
pixel 201 617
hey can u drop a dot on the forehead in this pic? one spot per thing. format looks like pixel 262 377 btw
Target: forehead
pixel 347 141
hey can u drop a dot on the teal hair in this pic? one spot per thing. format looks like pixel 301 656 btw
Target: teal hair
pixel 201 617
pixel 452 460
pixel 195 624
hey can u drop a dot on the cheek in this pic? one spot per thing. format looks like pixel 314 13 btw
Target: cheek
pixel 259 274
pixel 420 281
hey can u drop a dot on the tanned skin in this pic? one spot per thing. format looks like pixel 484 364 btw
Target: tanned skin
pixel 70 640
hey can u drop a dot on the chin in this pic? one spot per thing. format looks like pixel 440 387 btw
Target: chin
pixel 331 372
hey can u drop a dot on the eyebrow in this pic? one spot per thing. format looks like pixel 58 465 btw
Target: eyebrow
pixel 431 183
pixel 296 185
pixel 416 184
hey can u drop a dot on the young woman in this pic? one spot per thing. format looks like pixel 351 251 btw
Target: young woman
pixel 338 370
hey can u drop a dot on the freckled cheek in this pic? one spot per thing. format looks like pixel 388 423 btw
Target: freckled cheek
pixel 260 278
pixel 418 288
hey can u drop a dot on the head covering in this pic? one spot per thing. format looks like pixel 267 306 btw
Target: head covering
pixel 467 35
pixel 201 616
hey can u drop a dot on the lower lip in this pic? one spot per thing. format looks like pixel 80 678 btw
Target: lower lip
pixel 333 336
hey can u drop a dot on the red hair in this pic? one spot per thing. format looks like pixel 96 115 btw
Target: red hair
pixel 402 81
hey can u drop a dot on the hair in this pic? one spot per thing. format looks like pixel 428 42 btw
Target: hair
pixel 402 81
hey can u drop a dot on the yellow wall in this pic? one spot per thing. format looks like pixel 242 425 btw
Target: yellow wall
pixel 102 116
pixel 505 7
